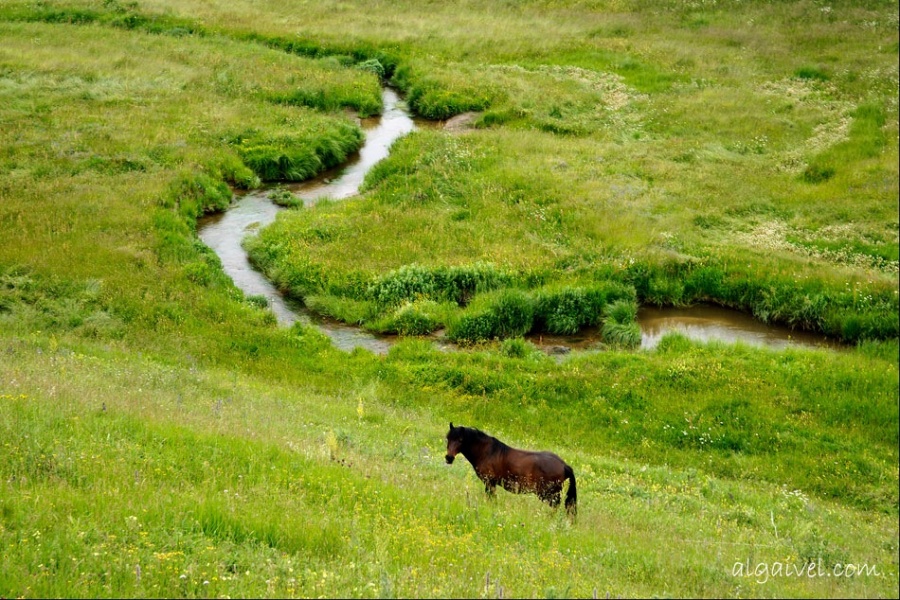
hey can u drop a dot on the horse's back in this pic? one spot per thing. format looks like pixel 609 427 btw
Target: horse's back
pixel 543 464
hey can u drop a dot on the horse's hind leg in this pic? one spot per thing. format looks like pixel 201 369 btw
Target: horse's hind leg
pixel 552 495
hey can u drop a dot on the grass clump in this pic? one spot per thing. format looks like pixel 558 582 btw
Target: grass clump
pixel 366 102
pixel 519 348
pixel 454 284
pixel 194 195
pixel 513 310
pixel 505 313
pixel 441 98
pixel 812 73
pixel 373 65
pixel 296 158
pixel 410 319
pixel 818 173
pixel 620 327
pixel 473 326
pixel 567 309
pixel 284 197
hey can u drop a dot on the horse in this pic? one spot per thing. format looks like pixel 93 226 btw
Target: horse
pixel 517 471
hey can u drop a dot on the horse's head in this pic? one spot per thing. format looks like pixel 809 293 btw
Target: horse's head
pixel 454 443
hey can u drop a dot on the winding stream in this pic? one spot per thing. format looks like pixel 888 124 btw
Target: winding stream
pixel 223 233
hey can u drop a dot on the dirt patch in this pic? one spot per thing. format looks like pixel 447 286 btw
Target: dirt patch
pixel 461 122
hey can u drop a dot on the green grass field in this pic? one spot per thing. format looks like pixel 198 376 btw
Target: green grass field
pixel 161 436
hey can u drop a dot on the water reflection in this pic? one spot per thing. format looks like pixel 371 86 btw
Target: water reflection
pixel 705 323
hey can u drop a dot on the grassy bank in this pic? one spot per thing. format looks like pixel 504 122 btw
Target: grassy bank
pixel 161 436
pixel 549 210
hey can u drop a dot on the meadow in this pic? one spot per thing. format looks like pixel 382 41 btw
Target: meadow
pixel 163 436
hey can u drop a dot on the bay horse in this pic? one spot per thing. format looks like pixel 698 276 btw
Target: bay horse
pixel 517 471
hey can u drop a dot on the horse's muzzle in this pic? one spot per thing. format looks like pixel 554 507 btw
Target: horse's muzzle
pixel 449 459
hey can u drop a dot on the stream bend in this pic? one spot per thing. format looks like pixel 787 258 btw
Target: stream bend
pixel 224 232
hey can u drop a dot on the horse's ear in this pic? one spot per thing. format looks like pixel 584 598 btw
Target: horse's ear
pixel 451 424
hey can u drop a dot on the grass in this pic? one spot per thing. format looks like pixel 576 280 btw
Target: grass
pixel 557 221
pixel 237 463
pixel 162 436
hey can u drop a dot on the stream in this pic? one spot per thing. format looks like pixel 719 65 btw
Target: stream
pixel 224 232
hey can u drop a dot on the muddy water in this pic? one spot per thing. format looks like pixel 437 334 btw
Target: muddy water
pixel 702 323
pixel 224 232
pixel 706 323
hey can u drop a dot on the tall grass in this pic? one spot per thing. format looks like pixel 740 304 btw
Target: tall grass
pixel 293 158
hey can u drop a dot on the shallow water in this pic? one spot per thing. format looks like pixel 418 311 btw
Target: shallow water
pixel 705 323
pixel 701 323
pixel 224 232
pixel 381 132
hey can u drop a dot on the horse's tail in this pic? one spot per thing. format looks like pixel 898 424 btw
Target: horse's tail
pixel 571 495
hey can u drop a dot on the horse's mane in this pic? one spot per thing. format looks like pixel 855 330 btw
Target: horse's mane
pixel 471 434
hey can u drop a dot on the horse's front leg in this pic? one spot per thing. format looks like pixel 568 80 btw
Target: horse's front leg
pixel 490 486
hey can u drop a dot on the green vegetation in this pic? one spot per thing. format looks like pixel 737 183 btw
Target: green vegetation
pixel 162 436
pixel 284 197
